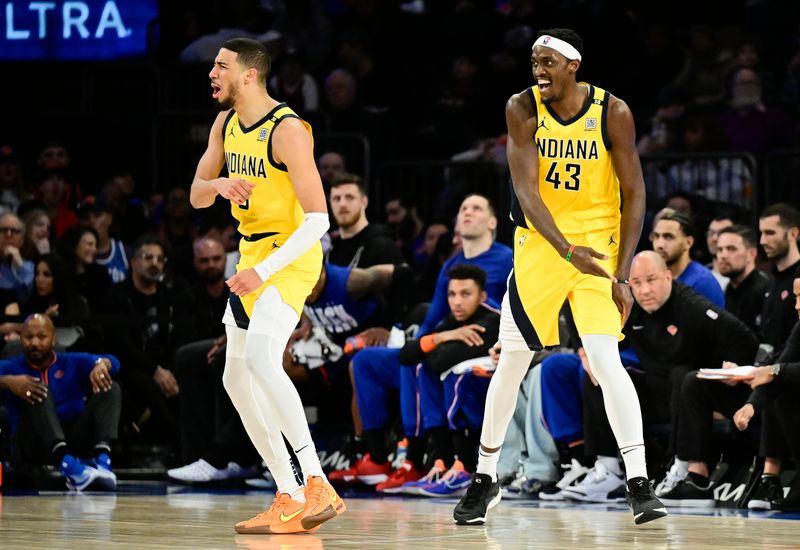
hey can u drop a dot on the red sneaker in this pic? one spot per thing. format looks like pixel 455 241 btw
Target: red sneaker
pixel 364 470
pixel 405 473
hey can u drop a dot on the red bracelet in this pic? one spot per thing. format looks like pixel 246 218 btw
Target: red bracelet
pixel 569 254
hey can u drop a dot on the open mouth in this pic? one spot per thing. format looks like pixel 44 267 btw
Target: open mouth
pixel 544 85
pixel 215 90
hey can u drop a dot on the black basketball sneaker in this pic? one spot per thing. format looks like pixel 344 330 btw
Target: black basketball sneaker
pixel 473 507
pixel 642 501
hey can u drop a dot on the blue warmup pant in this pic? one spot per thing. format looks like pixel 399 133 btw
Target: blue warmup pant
pixel 465 398
pixel 431 399
pixel 376 371
pixel 562 382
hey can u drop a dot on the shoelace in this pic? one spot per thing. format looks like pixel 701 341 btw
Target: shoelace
pixel 315 491
pixel 598 473
pixel 574 470
pixel 272 507
pixel 673 478
pixel 640 490
pixel 433 475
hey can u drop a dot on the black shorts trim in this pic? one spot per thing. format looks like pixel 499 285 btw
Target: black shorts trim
pixel 258 236
pixel 521 317
pixel 239 314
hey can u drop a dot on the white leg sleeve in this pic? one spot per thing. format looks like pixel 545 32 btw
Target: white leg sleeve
pixel 620 400
pixel 271 324
pixel 251 404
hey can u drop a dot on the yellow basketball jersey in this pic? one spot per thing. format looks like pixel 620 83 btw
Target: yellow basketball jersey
pixel 577 180
pixel 273 206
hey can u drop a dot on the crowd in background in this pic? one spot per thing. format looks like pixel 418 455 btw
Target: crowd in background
pixel 137 279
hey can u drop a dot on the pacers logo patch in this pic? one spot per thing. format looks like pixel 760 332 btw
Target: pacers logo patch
pixel 262 134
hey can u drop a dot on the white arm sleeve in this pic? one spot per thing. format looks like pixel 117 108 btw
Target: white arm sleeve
pixel 310 231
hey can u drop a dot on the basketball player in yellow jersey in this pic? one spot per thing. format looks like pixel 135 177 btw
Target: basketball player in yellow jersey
pixel 276 195
pixel 571 148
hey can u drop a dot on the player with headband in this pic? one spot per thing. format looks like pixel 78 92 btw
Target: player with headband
pixel 571 150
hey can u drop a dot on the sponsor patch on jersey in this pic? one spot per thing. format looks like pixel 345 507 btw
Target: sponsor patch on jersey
pixel 591 124
pixel 712 314
pixel 672 329
pixel 262 134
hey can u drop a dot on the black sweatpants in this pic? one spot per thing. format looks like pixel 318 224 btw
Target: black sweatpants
pixel 780 428
pixel 658 397
pixel 39 428
pixel 699 399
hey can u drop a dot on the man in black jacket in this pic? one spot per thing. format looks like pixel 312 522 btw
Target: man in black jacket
pixel 459 384
pixel 469 331
pixel 153 321
pixel 737 248
pixel 673 331
pixel 775 393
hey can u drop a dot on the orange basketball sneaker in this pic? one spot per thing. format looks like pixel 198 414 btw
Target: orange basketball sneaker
pixel 322 503
pixel 283 516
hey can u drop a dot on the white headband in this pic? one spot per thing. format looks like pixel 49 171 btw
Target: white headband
pixel 564 48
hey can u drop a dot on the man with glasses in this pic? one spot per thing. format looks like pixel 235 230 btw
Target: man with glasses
pixel 154 321
pixel 16 273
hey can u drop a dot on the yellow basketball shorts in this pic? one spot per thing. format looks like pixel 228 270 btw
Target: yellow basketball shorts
pixel 294 282
pixel 542 280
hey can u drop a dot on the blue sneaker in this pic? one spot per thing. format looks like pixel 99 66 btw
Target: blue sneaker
pixel 430 479
pixel 106 478
pixel 454 483
pixel 77 474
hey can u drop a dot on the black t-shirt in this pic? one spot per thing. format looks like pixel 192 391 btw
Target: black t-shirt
pixel 372 245
pixel 210 310
pixel 746 302
pixel 779 315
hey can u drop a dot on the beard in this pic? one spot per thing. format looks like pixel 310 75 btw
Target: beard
pixel 349 220
pixel 227 103
pixel 671 259
pixel 781 251
pixel 732 273
pixel 211 276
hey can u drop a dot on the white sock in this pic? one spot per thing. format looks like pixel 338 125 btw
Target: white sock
pixel 611 463
pixel 619 397
pixel 683 466
pixel 487 463
pixel 299 495
pixel 271 325
pixel 635 465
pixel 259 423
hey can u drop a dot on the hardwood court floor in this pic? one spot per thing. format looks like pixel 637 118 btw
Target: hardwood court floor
pixel 203 520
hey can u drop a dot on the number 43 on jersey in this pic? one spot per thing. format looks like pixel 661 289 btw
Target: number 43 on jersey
pixel 572 173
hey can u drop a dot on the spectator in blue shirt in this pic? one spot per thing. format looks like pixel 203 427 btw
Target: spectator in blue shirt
pixel 673 237
pixel 51 416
